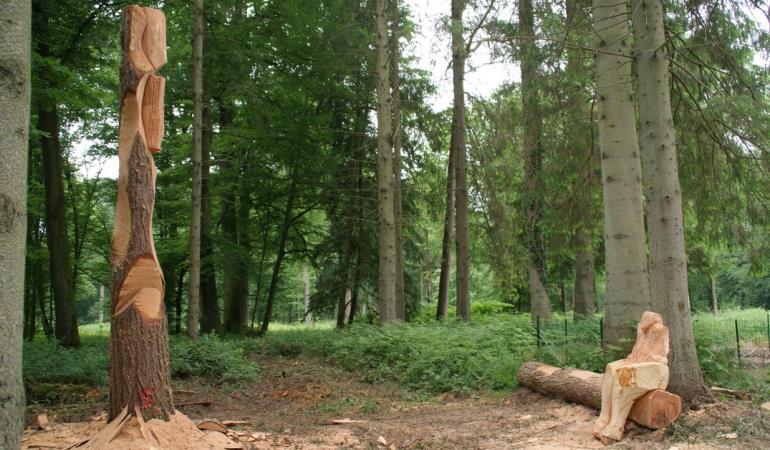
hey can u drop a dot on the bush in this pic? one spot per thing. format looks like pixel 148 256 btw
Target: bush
pixel 212 358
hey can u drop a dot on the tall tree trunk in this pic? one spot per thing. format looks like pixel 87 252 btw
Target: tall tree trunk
pixel 533 156
pixel 445 276
pixel 585 283
pixel 459 54
pixel 627 292
pixel 582 136
pixel 210 320
pixel 387 232
pixel 285 227
pixel 306 294
pixel 713 295
pixel 193 303
pixel 178 301
pixel 140 378
pixel 14 129
pixel 260 268
pixel 668 263
pixel 395 57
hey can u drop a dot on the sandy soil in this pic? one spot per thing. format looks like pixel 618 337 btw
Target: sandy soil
pixel 295 402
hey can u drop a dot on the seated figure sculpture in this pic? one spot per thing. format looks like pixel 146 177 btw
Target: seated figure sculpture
pixel 624 381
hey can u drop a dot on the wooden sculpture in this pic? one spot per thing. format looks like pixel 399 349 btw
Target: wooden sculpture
pixel 626 380
pixel 139 360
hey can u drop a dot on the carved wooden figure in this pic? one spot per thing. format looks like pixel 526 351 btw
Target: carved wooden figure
pixel 139 361
pixel 624 381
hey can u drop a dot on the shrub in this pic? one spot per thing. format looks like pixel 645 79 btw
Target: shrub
pixel 212 358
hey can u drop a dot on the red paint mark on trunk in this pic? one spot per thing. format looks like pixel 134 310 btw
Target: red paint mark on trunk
pixel 147 395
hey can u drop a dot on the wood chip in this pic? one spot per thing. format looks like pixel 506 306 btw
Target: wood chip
pixel 42 421
pixel 234 423
pixel 43 444
pixel 731 393
pixel 729 436
pixel 211 425
pixel 344 421
pixel 765 406
pixel 199 402
pixel 382 440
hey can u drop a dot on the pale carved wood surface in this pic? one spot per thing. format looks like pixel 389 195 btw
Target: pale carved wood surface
pixel 626 380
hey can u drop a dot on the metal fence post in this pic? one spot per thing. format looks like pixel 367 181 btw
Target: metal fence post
pixel 537 331
pixel 601 332
pixel 738 343
pixel 565 327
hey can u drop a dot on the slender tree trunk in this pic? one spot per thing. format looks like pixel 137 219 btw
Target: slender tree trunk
pixel 713 292
pixel 285 227
pixel 627 292
pixel 585 283
pixel 668 263
pixel 459 54
pixel 306 294
pixel 140 378
pixel 14 131
pixel 445 276
pixel 210 320
pixel 395 57
pixel 533 155
pixel 260 268
pixel 178 301
pixel 195 219
pixel 387 232
pixel 60 259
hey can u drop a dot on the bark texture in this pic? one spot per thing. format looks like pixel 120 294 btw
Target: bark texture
pixel 445 275
pixel 210 322
pixel 395 57
pixel 627 291
pixel 459 53
pixel 195 216
pixel 533 156
pixel 140 378
pixel 656 409
pixel 668 264
pixel 387 233
pixel 14 129
pixel 585 283
pixel 713 295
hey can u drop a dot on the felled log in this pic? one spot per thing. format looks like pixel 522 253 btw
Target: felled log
pixel 656 409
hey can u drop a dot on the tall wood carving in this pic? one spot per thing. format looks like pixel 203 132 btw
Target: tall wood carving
pixel 626 380
pixel 139 361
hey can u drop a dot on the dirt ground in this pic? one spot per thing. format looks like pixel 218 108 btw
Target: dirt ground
pixel 295 403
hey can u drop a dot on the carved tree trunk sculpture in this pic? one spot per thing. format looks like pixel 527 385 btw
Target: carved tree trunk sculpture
pixel 139 360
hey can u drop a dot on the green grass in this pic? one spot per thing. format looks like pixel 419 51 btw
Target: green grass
pixel 425 356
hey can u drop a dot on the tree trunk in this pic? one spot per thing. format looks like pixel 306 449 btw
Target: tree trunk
pixel 387 232
pixel 627 292
pixel 585 283
pixel 533 155
pixel 193 303
pixel 306 294
pixel 178 301
pixel 140 378
pixel 285 227
pixel 395 56
pixel 656 409
pixel 668 264
pixel 210 320
pixel 66 327
pixel 14 144
pixel 445 276
pixel 713 292
pixel 459 54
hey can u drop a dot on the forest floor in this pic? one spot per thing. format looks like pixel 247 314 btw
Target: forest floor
pixel 296 400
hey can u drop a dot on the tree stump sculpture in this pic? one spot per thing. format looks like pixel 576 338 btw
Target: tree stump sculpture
pixel 139 359
pixel 626 380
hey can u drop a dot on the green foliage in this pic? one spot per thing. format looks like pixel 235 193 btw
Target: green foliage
pixel 212 358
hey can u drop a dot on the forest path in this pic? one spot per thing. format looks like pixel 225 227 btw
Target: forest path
pixel 295 401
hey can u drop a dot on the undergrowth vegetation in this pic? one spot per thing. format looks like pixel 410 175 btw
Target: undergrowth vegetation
pixel 424 356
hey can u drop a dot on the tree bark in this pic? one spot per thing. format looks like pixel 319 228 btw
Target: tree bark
pixel 585 283
pixel 627 291
pixel 445 276
pixel 210 320
pixel 656 409
pixel 306 294
pixel 387 232
pixel 14 128
pixel 668 264
pixel 713 295
pixel 195 218
pixel 459 54
pixel 533 156
pixel 395 73
pixel 140 377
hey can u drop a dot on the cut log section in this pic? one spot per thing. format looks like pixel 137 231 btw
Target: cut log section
pixel 656 409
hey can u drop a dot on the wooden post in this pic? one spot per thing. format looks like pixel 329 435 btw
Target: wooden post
pixel 139 362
